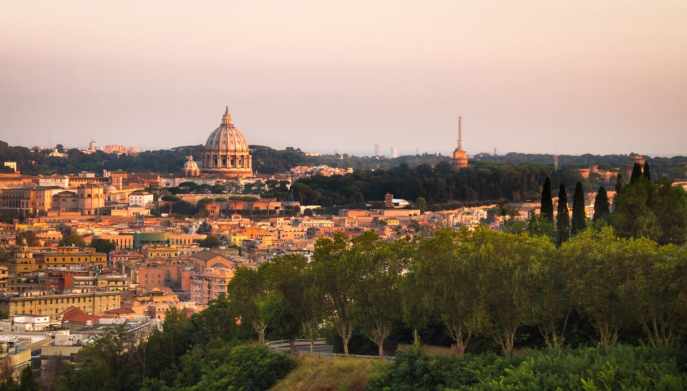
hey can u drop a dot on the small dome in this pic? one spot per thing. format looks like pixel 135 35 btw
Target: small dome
pixel 191 167
pixel 227 138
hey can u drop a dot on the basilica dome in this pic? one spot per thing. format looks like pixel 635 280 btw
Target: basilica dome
pixel 226 151
pixel 227 137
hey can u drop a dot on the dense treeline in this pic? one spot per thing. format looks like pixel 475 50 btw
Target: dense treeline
pixel 642 208
pixel 209 351
pixel 32 161
pixel 483 290
pixel 438 184
pixel 670 167
pixel 266 160
pixel 478 284
pixel 618 368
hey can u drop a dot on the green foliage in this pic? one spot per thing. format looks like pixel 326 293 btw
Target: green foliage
pixel 104 365
pixel 27 381
pixel 291 277
pixel 537 226
pixel 602 209
pixel 546 202
pixel 102 245
pixel 437 185
pixel 657 211
pixel 669 204
pixel 28 237
pixel 619 184
pixel 421 203
pixel 562 216
pixel 636 173
pixel 620 368
pixel 632 216
pixel 337 272
pixel 483 290
pixel 72 239
pixel 252 300
pixel 646 171
pixel 508 265
pixel 443 268
pixel 210 241
pixel 377 293
pixel 245 367
pixel 579 218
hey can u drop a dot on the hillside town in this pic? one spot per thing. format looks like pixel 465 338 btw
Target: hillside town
pixel 86 252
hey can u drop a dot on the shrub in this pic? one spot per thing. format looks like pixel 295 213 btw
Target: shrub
pixel 247 367
pixel 620 368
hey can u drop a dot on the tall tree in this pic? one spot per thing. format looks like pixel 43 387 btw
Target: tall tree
pixel 416 302
pixel 636 173
pixel 632 215
pixel 378 291
pixel 669 204
pixel 601 207
pixel 579 220
pixel 337 274
pixel 618 184
pixel 562 217
pixel 507 264
pixel 252 300
pixel 546 201
pixel 598 276
pixel 291 276
pixel 646 172
pixel 551 303
pixel 654 290
pixel 444 265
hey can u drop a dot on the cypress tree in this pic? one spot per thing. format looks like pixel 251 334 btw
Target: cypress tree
pixel 562 218
pixel 647 171
pixel 601 207
pixel 579 220
pixel 636 173
pixel 546 202
pixel 618 188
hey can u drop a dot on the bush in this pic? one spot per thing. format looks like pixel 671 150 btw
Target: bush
pixel 620 368
pixel 247 367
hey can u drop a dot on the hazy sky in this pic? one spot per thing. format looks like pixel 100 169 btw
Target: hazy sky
pixel 529 76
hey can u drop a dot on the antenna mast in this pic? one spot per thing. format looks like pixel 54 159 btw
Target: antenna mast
pixel 460 132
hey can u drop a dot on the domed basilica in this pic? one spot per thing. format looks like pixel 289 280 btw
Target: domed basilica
pixel 226 152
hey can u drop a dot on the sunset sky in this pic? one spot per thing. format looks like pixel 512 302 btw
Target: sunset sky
pixel 527 76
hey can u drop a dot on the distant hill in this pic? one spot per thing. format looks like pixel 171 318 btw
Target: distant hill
pixel 267 160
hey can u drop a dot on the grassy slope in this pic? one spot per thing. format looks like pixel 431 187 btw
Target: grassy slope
pixel 329 374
